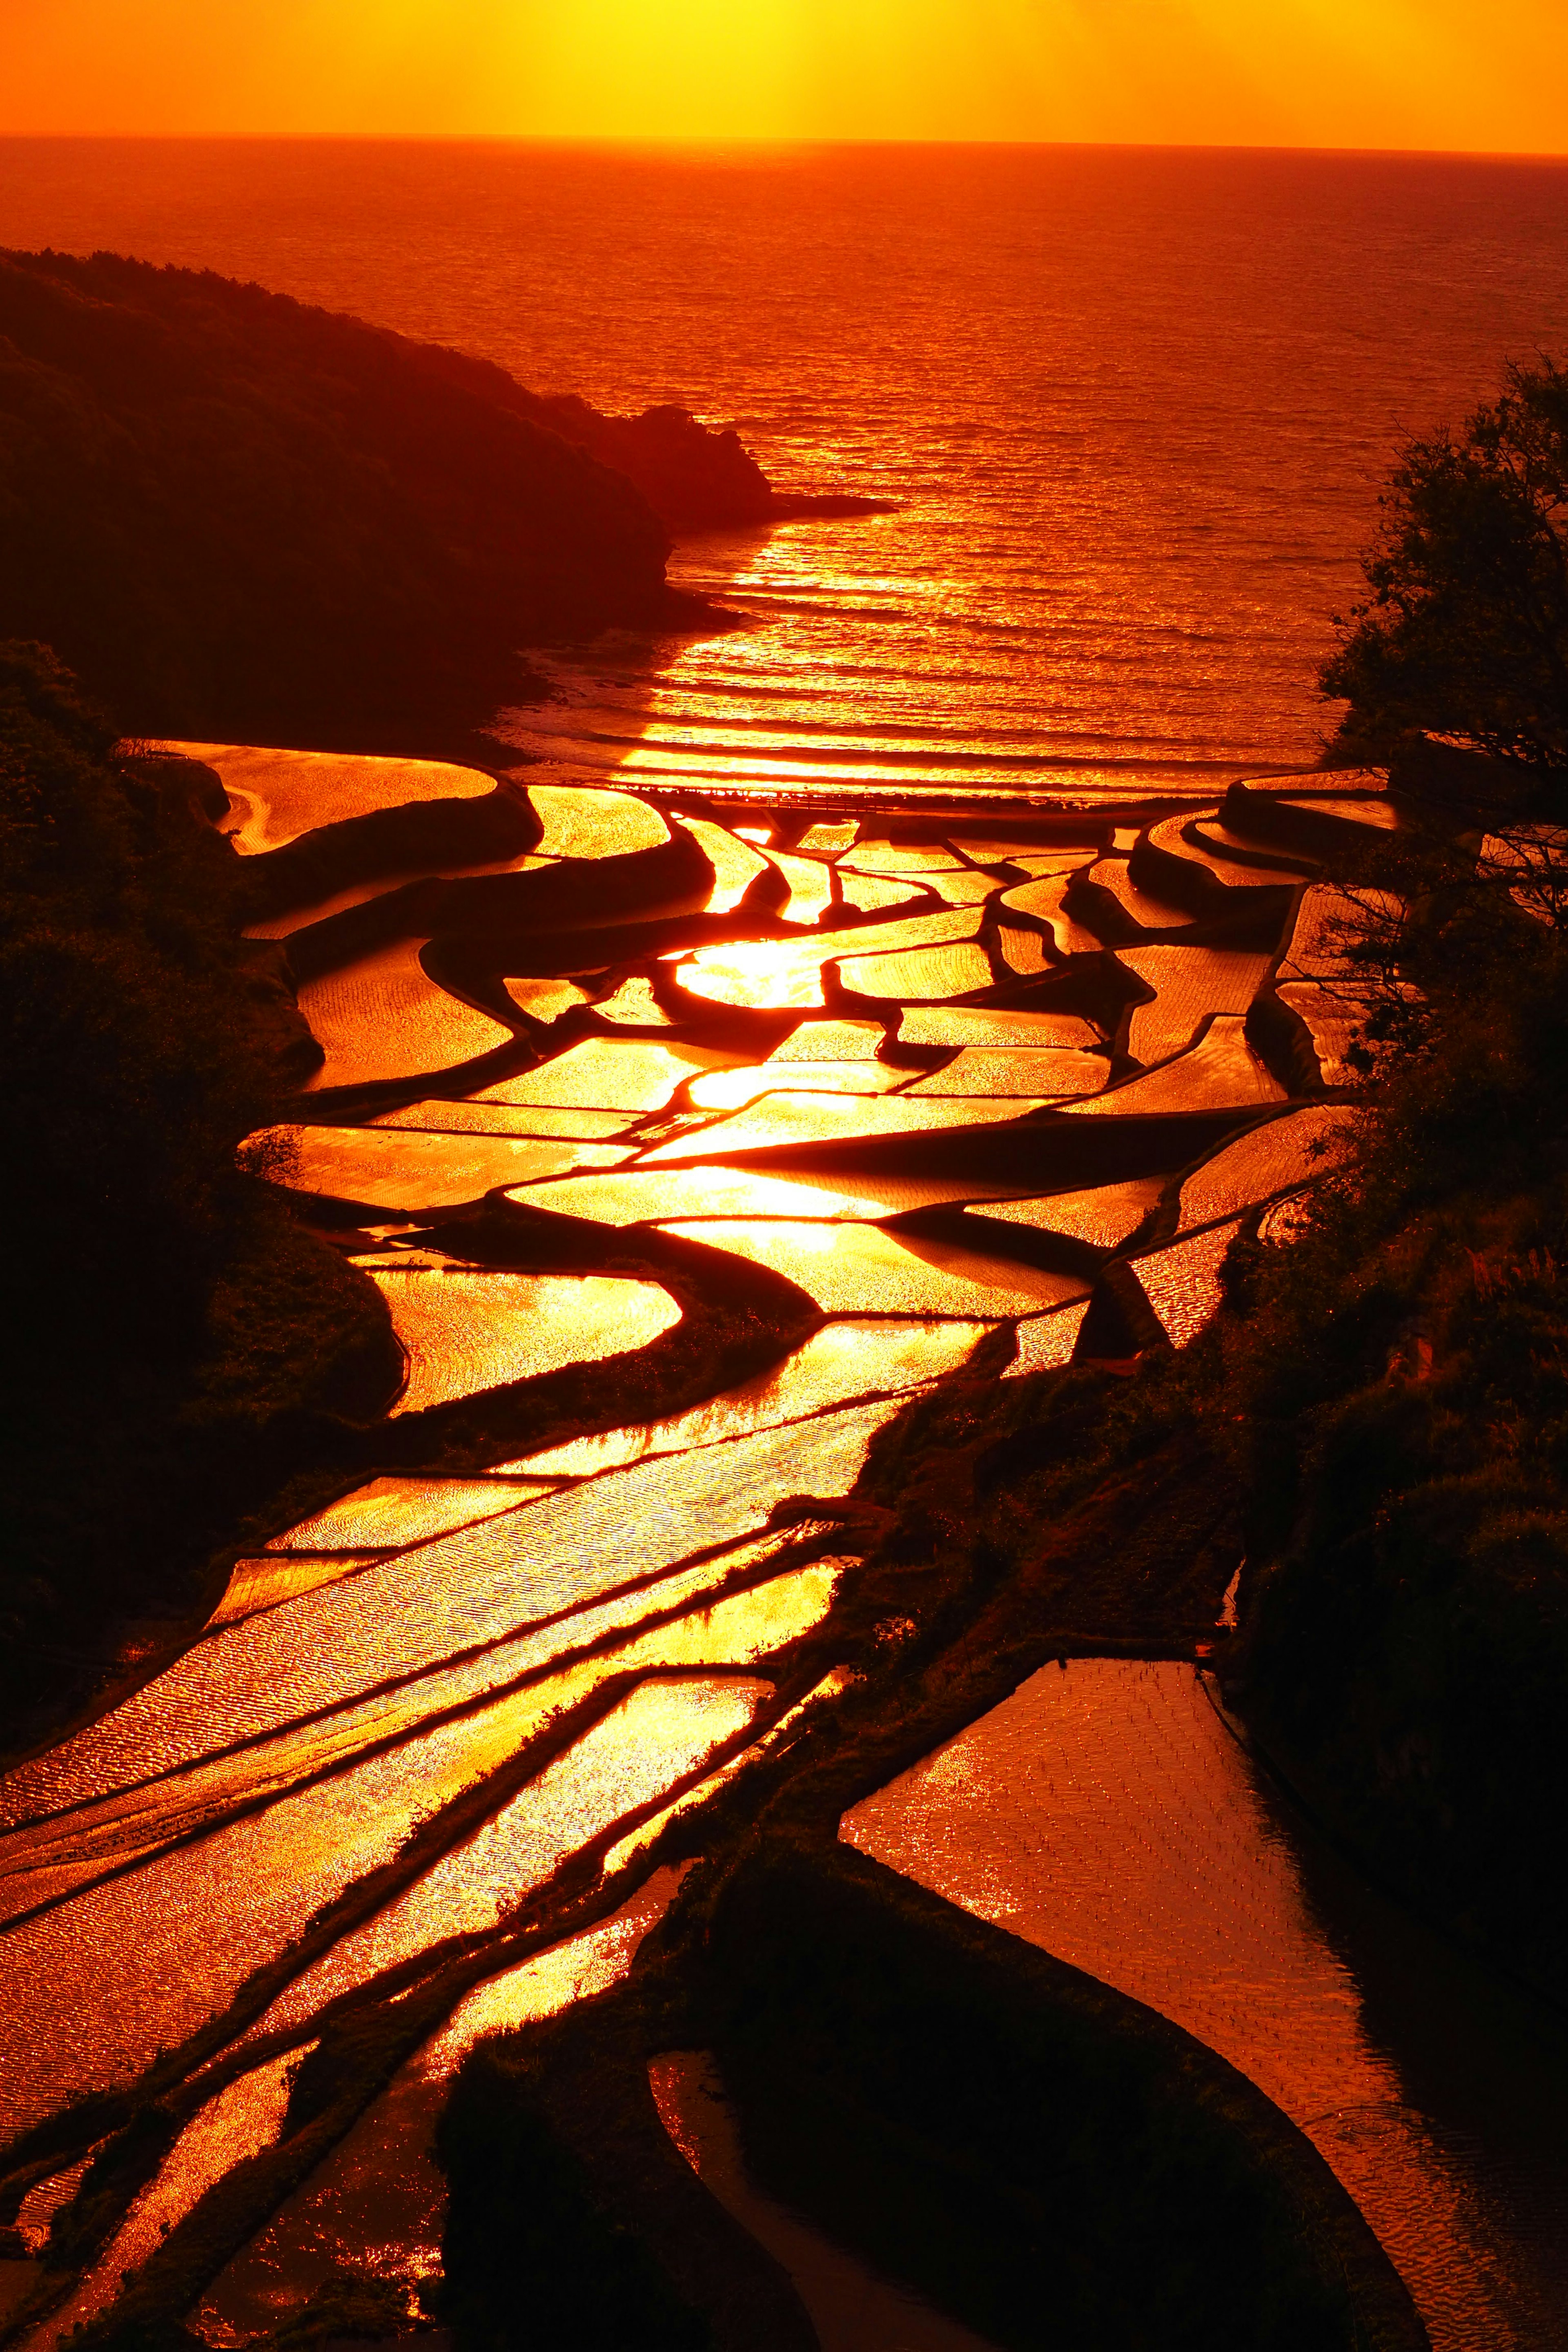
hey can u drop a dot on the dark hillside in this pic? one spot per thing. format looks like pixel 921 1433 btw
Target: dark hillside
pixel 236 515
pixel 165 1318
pixel 1397 1388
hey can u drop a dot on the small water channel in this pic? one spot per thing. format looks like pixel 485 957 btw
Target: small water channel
pixel 1107 1814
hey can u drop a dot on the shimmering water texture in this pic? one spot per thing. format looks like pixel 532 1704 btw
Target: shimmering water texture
pixel 442 1704
pixel 1108 1813
pixel 1132 408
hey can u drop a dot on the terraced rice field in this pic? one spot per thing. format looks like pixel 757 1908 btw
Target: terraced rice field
pixel 887 1093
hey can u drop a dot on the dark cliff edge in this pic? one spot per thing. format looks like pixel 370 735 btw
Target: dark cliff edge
pixel 694 478
pixel 237 516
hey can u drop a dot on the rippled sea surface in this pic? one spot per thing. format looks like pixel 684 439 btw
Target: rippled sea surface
pixel 1133 405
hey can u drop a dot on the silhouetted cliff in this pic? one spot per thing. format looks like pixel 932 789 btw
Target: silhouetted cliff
pixel 233 514
pixel 693 478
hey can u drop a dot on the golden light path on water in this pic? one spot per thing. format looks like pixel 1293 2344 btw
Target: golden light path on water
pixel 922 1076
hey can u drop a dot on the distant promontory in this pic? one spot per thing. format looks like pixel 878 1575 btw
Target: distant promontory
pixel 233 514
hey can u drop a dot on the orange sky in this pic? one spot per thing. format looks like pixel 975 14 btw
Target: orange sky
pixel 1369 73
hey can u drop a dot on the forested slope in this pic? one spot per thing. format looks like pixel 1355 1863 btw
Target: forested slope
pixel 236 515
pixel 166 1320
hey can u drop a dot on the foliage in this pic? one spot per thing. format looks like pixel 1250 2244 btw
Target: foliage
pixel 1395 1385
pixel 154 1292
pixel 239 516
pixel 1466 628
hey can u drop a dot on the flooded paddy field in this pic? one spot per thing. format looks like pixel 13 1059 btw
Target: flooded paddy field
pixel 690 1144
pixel 1108 1813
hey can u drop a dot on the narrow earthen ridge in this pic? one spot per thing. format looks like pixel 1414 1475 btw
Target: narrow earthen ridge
pixel 558 2164
pixel 1167 2191
pixel 580 894
pixel 414 837
pixel 1034 2151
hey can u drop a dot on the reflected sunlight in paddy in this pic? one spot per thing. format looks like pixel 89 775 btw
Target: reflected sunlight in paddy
pixel 1224 1912
pixel 810 887
pixel 166 1897
pixel 1018 1070
pixel 1042 903
pixel 732 1089
pixel 200 1918
pixel 843 1360
pixel 483 1585
pixel 408 1168
pixel 1023 951
pixel 634 1006
pixel 876 893
pixel 921 973
pixel 1189 983
pixel 789 972
pixel 789 1118
pixel 1150 912
pixel 463 1331
pixel 613 1073
pixel 593 824
pixel 1332 1024
pixel 384 1017
pixel 853 1269
pixel 655 1737
pixel 1221 1070
pixel 654 1196
pixel 736 864
pixel 489 1114
pixel 379 2187
pixel 969 1024
pixel 899 857
pixel 545 1000
pixel 1106 1216
pixel 1181 1281
pixel 831 1041
pixel 277 796
pixel 274 1577
pixel 832 1685
pixel 76 1849
pixel 1046 1343
pixel 1266 1160
pixel 399 1510
pixel 238 2123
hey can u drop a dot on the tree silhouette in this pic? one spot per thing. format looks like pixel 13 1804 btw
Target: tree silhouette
pixel 1465 632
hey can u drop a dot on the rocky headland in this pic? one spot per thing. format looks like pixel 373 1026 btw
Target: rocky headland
pixel 237 515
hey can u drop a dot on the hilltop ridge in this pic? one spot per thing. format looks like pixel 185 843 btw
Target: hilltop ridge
pixel 233 514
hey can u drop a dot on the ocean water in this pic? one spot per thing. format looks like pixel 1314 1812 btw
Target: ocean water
pixel 1134 406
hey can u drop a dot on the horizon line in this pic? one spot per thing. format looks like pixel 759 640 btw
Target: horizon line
pixel 653 142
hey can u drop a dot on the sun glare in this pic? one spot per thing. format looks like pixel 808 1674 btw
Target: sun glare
pixel 1378 73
